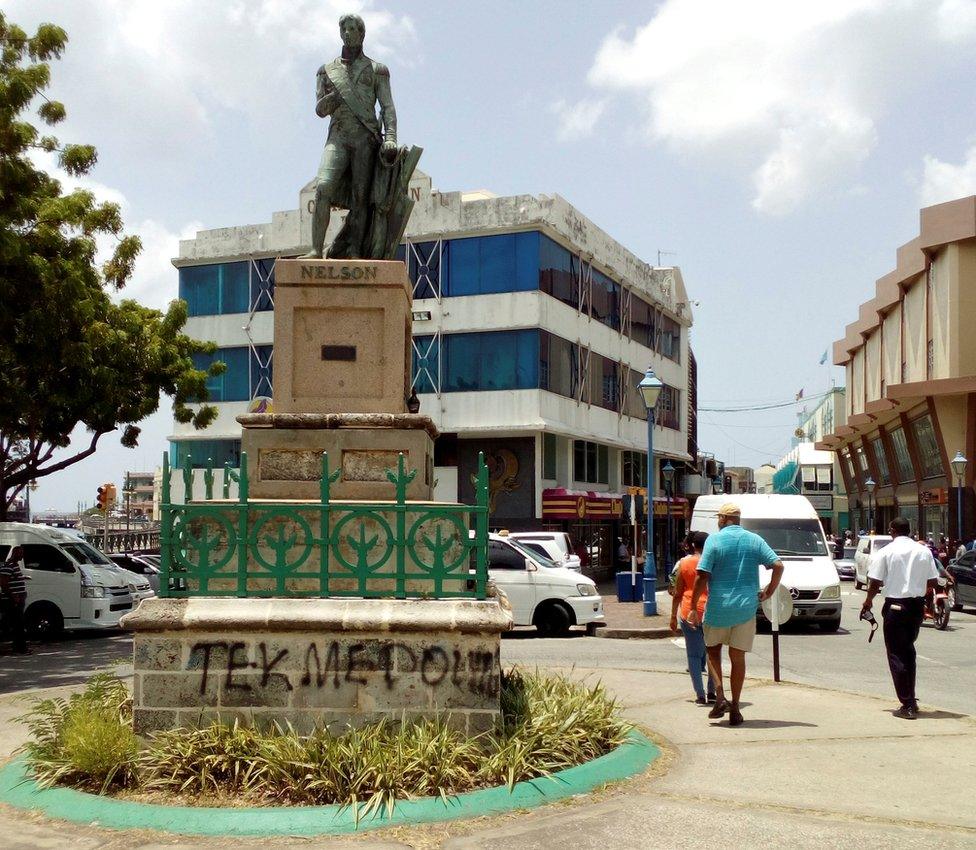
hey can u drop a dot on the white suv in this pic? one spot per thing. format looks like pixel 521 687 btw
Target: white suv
pixel 543 593
pixel 866 547
pixel 555 545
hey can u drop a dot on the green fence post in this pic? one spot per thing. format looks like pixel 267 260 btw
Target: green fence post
pixel 481 528
pixel 227 479
pixel 166 530
pixel 242 527
pixel 208 480
pixel 325 522
pixel 400 479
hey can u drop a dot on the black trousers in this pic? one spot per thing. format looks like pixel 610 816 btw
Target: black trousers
pixel 902 620
pixel 13 622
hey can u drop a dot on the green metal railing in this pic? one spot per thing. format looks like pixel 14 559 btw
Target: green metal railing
pixel 258 548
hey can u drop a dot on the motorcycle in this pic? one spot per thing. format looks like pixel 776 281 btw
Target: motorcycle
pixel 938 603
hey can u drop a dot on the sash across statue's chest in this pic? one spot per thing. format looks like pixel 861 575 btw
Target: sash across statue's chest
pixel 356 84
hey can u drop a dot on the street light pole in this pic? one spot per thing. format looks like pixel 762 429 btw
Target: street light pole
pixel 650 389
pixel 869 485
pixel 668 472
pixel 958 464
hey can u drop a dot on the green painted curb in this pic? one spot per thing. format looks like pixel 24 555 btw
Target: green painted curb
pixel 19 790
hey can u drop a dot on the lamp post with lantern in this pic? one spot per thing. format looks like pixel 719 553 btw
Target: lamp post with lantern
pixel 958 464
pixel 650 390
pixel 668 472
pixel 869 485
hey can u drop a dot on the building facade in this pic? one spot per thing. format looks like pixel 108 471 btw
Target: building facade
pixel 814 472
pixel 140 487
pixel 911 382
pixel 531 330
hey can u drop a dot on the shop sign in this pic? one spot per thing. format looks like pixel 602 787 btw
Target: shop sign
pixel 821 501
pixel 935 496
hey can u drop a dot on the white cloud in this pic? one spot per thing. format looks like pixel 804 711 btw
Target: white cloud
pixel 944 181
pixel 791 91
pixel 154 281
pixel 173 68
pixel 577 120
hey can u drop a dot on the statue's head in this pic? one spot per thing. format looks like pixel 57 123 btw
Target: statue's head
pixel 353 30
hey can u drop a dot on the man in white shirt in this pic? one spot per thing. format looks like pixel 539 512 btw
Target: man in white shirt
pixel 907 571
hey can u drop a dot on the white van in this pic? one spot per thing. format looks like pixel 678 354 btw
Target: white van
pixel 790 525
pixel 543 593
pixel 71 585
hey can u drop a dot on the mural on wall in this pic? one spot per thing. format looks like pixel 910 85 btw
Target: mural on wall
pixel 503 470
pixel 511 469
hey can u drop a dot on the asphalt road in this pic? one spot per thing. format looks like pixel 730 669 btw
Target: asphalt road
pixel 842 661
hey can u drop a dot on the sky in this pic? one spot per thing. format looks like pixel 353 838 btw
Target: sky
pixel 777 152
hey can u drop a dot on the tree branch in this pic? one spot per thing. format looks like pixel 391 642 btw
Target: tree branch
pixel 20 478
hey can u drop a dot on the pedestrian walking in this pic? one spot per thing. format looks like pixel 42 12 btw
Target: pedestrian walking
pixel 729 572
pixel 907 571
pixel 623 554
pixel 684 589
pixel 13 595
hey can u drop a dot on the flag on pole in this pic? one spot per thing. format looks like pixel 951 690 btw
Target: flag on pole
pixel 799 395
pixel 824 358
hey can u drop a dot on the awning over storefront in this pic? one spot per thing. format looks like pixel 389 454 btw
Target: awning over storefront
pixel 560 503
pixel 784 479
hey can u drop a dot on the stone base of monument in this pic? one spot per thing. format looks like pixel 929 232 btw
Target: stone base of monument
pixel 316 663
pixel 284 452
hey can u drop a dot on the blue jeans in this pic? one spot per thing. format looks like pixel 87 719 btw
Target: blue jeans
pixel 695 647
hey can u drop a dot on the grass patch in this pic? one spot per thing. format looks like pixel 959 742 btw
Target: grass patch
pixel 548 723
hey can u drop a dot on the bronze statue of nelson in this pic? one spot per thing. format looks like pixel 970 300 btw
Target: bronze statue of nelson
pixel 362 170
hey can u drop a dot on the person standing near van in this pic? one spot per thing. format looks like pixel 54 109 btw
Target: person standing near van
pixel 729 572
pixel 684 588
pixel 907 570
pixel 13 596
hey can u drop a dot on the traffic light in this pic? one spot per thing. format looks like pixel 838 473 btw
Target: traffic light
pixel 106 497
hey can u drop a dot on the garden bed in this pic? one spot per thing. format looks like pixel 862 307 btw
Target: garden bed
pixel 555 738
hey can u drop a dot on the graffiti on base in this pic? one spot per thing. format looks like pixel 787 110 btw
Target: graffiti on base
pixel 336 663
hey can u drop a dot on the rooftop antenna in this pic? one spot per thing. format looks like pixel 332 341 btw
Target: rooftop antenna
pixel 662 253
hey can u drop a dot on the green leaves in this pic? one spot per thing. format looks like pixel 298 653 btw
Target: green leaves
pixel 68 354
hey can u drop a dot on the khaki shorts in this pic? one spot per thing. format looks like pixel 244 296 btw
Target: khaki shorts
pixel 739 636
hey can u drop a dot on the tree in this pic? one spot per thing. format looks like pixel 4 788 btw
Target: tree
pixel 69 355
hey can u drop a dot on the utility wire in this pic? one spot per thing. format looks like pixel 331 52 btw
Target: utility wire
pixel 761 406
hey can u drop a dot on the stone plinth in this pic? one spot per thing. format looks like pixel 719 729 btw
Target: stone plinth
pixel 284 453
pixel 342 331
pixel 316 662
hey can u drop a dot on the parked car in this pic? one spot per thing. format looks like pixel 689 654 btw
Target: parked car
pixel 555 545
pixel 140 565
pixel 846 568
pixel 963 572
pixel 72 585
pixel 791 527
pixel 543 593
pixel 866 547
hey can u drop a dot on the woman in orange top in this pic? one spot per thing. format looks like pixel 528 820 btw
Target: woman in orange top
pixel 694 636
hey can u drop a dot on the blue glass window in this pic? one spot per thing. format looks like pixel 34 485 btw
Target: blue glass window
pixel 221 288
pixel 497 360
pixel 248 373
pixel 425 364
pixel 198 452
pixel 605 300
pixel 556 269
pixel 508 262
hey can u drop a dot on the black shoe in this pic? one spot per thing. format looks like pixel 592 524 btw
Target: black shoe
pixel 719 709
pixel 735 716
pixel 700 701
pixel 710 699
pixel 907 712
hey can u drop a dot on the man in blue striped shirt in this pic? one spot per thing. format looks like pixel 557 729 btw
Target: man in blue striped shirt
pixel 729 568
pixel 13 595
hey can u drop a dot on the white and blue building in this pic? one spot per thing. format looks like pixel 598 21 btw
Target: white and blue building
pixel 532 328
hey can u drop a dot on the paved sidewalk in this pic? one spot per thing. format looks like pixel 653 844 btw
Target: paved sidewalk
pixel 627 620
pixel 809 768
